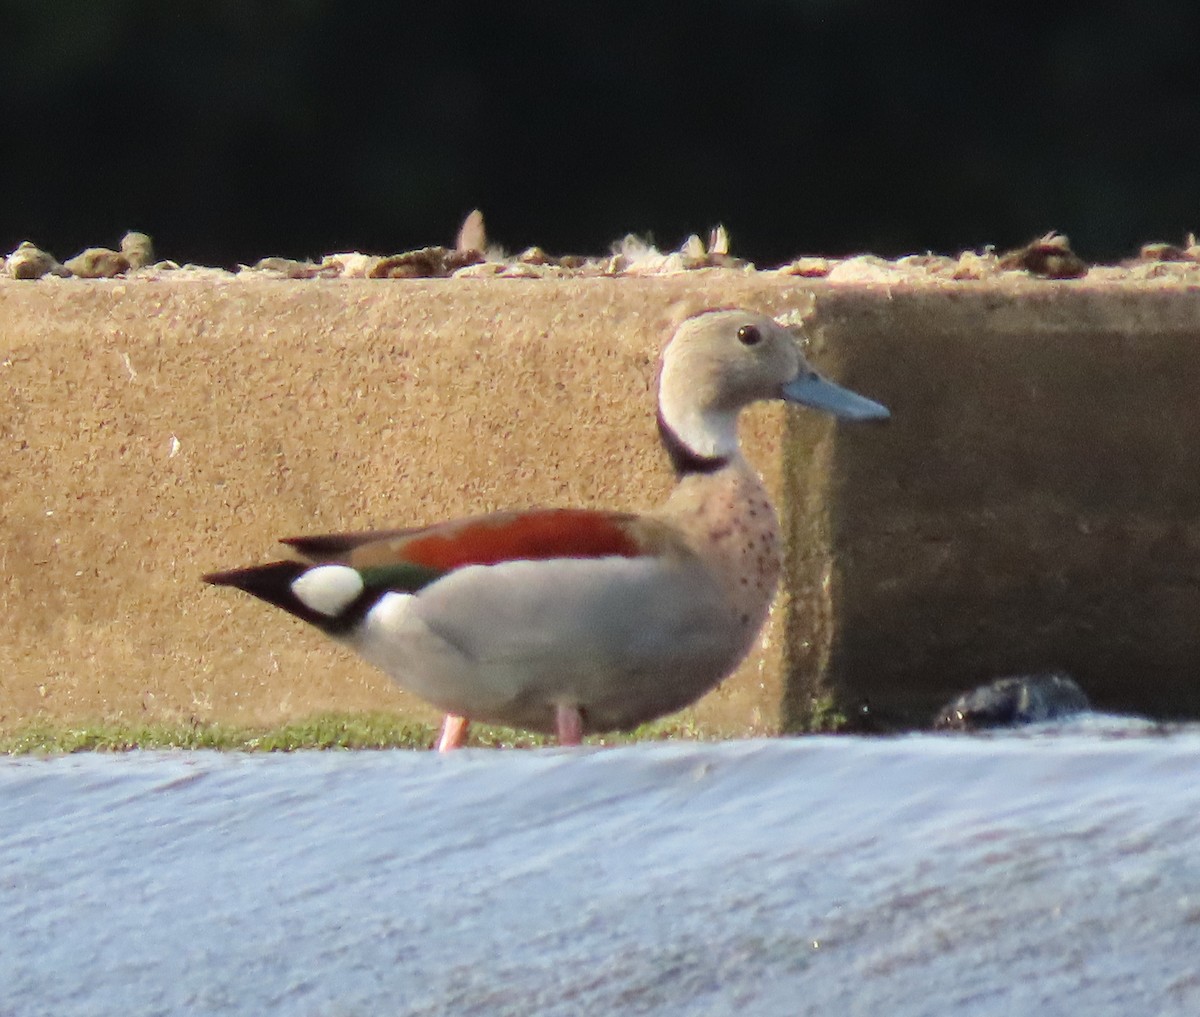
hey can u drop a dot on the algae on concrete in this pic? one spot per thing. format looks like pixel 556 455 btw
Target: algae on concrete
pixel 326 731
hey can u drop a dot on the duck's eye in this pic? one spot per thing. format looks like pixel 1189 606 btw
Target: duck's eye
pixel 749 335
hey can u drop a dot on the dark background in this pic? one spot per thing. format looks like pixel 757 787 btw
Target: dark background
pixel 231 130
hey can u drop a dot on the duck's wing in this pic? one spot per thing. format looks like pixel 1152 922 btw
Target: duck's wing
pixel 346 574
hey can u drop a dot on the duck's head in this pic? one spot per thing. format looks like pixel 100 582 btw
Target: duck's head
pixel 721 361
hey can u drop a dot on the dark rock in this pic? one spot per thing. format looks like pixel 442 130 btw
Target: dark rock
pixel 1008 702
pixel 1050 257
pixel 427 263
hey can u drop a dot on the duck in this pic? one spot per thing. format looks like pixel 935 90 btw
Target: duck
pixel 579 621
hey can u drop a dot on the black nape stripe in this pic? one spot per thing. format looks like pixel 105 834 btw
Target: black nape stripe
pixel 683 459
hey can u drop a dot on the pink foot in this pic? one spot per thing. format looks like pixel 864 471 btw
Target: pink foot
pixel 454 732
pixel 569 723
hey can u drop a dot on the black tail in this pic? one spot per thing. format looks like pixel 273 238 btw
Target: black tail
pixel 273 583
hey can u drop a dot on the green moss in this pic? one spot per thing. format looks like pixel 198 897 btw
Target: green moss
pixel 823 716
pixel 323 731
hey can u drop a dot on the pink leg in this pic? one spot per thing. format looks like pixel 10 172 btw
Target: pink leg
pixel 454 732
pixel 569 723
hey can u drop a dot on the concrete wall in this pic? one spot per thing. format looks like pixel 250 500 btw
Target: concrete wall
pixel 1032 504
pixel 1035 503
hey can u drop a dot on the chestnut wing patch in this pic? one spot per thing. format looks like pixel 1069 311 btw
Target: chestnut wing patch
pixel 506 536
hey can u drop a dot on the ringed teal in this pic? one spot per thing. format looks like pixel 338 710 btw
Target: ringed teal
pixel 571 621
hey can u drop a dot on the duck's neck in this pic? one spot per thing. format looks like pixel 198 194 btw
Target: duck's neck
pixel 698 440
pixel 685 459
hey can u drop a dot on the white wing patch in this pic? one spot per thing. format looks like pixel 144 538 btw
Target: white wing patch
pixel 328 589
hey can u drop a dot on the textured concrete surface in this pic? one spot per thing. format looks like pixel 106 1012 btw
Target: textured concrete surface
pixel 1035 505
pixel 1032 505
pixel 913 877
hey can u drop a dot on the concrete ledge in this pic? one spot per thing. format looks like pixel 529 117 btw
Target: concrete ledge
pixel 1033 504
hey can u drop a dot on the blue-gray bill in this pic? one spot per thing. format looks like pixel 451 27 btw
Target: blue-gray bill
pixel 822 394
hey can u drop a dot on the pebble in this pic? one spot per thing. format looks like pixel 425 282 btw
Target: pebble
pixel 30 262
pixel 138 249
pixel 98 263
pixel 1049 257
pixel 472 235
pixel 426 263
